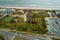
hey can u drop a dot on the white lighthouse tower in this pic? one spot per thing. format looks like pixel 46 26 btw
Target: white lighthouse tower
pixel 25 16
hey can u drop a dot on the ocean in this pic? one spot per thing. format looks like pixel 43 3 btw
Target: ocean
pixel 31 3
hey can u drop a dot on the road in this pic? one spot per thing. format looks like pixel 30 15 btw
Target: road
pixel 12 35
pixel 3 16
pixel 31 37
pixel 7 35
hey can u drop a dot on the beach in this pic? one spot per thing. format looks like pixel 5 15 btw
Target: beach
pixel 33 8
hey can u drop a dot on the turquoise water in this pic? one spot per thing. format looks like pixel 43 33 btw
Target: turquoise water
pixel 31 3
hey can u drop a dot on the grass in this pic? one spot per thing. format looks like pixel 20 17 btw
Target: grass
pixel 55 39
pixel 2 37
pixel 36 26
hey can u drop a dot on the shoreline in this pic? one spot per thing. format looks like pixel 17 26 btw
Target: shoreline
pixel 34 8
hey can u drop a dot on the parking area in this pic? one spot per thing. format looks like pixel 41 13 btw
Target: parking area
pixel 53 25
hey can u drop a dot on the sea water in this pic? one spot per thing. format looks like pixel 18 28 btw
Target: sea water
pixel 31 3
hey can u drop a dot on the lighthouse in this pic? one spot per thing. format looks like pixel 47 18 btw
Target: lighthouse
pixel 25 16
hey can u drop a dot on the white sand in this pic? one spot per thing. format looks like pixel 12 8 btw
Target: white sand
pixel 30 8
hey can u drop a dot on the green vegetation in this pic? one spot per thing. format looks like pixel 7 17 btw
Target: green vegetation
pixel 35 23
pixel 1 37
pixel 55 39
